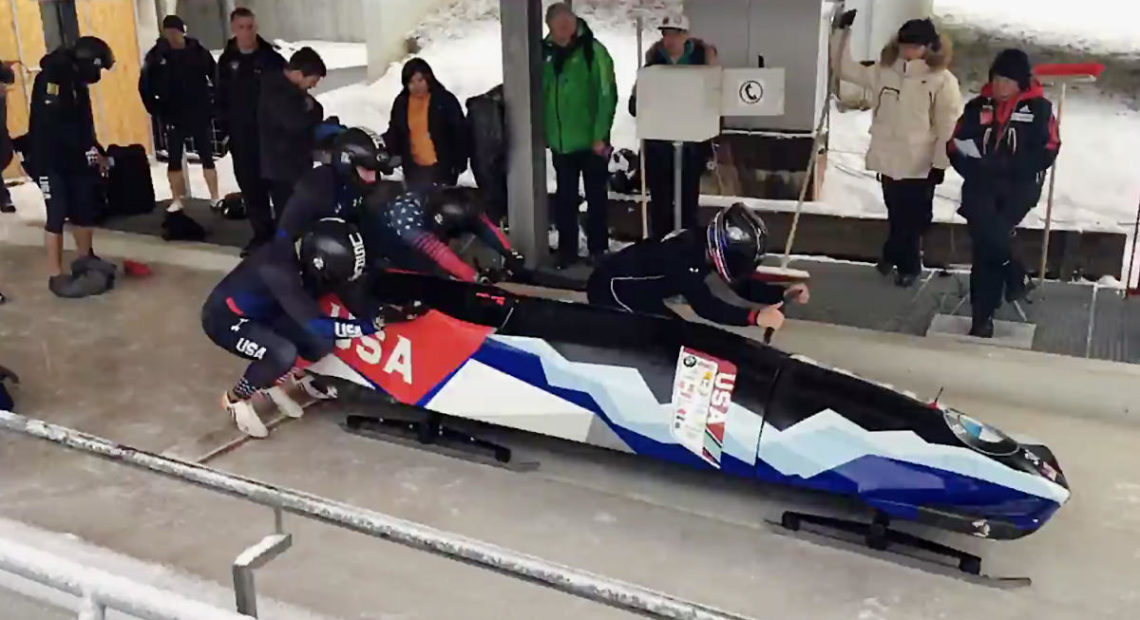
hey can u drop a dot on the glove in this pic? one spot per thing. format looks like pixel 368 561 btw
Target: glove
pixel 845 20
pixel 398 314
pixel 514 262
pixel 771 317
pixel 937 176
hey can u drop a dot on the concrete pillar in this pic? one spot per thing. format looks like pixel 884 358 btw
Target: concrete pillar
pixel 526 156
pixel 147 25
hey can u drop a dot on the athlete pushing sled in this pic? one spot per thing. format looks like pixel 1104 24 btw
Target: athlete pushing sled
pixel 265 311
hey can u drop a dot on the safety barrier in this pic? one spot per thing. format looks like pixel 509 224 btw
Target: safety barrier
pixel 99 590
pixel 572 581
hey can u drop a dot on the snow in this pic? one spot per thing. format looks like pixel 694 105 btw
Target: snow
pixel 1093 25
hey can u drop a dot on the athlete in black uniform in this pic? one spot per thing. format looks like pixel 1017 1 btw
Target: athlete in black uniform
pixel 412 231
pixel 265 310
pixel 642 276
pixel 66 160
pixel 336 189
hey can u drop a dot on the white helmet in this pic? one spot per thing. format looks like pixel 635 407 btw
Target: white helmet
pixel 674 20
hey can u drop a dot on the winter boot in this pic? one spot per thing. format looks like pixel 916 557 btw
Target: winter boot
pixel 884 267
pixel 285 404
pixel 906 280
pixel 982 326
pixel 72 286
pixel 245 417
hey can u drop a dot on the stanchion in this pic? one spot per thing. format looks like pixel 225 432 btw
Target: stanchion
pixel 1130 290
pixel 1063 74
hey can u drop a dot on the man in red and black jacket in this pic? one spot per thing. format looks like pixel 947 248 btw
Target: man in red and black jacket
pixel 1004 142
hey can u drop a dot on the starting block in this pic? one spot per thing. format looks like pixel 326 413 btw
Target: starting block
pixel 1010 334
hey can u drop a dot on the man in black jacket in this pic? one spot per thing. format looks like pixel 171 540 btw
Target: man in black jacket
pixel 1004 142
pixel 177 87
pixel 287 116
pixel 66 159
pixel 427 129
pixel 246 58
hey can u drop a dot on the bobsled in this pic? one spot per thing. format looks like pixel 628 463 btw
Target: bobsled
pixel 701 396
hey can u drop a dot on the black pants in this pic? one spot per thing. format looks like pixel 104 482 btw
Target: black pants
pixel 992 212
pixel 176 133
pixel 627 293
pixel 254 189
pixel 910 210
pixel 418 178
pixel 659 166
pixel 70 197
pixel 592 168
pixel 272 347
pixel 280 192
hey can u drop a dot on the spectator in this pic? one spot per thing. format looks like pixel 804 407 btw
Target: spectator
pixel 287 116
pixel 245 59
pixel 1004 142
pixel 66 160
pixel 916 101
pixel 427 130
pixel 7 77
pixel 580 98
pixel 177 88
pixel 676 47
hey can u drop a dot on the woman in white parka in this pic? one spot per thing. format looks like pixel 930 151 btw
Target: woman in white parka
pixel 915 102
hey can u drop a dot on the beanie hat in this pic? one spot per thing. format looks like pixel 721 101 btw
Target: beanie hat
pixel 919 32
pixel 1013 64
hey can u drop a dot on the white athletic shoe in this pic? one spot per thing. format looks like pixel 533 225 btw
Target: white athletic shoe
pixel 285 404
pixel 245 417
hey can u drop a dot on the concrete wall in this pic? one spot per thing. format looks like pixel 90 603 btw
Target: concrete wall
pixel 323 20
pixel 389 22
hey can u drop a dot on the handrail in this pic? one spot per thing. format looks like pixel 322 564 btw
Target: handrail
pixel 102 589
pixel 613 593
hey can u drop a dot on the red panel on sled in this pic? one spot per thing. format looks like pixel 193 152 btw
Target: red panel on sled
pixel 407 360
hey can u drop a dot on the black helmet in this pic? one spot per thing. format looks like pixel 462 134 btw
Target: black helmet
pixel 332 252
pixel 450 211
pixel 360 147
pixel 737 240
pixel 92 55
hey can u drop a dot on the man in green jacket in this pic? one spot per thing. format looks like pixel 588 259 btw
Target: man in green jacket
pixel 580 97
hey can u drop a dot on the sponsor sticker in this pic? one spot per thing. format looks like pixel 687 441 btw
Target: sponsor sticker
pixel 702 395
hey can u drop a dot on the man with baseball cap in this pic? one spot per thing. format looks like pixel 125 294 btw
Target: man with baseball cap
pixel 177 87
pixel 676 47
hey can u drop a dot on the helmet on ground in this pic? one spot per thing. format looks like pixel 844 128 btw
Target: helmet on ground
pixel 737 241
pixel 450 211
pixel 92 55
pixel 360 147
pixel 332 252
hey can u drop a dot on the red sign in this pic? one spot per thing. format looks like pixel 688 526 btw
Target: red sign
pixel 407 360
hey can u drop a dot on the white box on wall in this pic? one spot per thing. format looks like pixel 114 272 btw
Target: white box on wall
pixel 685 103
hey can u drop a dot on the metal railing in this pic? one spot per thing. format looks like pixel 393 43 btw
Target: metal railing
pixel 617 594
pixel 98 590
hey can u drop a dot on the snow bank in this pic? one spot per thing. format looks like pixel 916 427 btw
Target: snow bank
pixel 1093 25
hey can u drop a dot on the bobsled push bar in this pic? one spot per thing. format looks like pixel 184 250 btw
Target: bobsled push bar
pixel 419 428
pixel 879 536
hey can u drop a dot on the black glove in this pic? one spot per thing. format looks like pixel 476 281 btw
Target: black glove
pixel 514 262
pixel 936 176
pixel 398 314
pixel 846 19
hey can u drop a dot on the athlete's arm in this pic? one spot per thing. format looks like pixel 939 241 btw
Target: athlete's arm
pixel 285 285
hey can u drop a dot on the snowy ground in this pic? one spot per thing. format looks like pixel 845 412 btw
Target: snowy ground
pixel 1093 25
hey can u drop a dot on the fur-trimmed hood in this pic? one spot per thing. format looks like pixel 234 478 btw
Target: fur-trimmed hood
pixel 936 60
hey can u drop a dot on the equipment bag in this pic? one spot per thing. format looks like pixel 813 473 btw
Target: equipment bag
pixel 130 190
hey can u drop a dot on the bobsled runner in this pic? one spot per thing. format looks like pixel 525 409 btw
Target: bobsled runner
pixel 697 395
